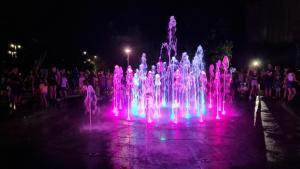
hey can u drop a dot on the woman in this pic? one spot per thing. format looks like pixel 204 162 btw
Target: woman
pixel 291 86
pixel 254 83
pixel 52 83
pixel 64 85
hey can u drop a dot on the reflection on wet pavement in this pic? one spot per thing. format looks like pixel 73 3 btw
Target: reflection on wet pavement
pixel 63 139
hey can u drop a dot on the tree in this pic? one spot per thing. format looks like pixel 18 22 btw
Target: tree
pixel 221 50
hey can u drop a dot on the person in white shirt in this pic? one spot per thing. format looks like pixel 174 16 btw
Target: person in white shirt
pixel 64 85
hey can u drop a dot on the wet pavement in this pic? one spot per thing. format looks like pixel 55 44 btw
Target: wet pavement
pixel 281 126
pixel 62 138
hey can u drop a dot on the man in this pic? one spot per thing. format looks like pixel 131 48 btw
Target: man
pixel 15 84
pixel 268 81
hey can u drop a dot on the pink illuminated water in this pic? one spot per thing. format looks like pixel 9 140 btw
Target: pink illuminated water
pixel 177 91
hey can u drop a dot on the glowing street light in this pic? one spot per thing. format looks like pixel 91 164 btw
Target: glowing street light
pixel 84 52
pixel 127 51
pixel 256 63
pixel 95 57
pixel 13 49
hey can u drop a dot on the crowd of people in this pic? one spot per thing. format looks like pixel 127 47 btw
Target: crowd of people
pixel 51 85
pixel 276 83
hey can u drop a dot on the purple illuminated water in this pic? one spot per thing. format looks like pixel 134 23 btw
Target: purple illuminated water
pixel 175 91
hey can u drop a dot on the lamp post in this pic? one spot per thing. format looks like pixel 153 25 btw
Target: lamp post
pixel 127 51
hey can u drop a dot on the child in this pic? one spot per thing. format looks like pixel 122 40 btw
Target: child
pixel 90 100
pixel 43 88
pixel 64 85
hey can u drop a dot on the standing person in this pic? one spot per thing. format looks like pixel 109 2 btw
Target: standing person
pixel 58 80
pixel 35 83
pixel 277 86
pixel 64 85
pixel 102 82
pixel 291 86
pixel 75 78
pixel 52 81
pixel 253 78
pixel 109 83
pixel 15 84
pixel 81 82
pixel 43 88
pixel 268 81
pixel 2 84
pixel 285 80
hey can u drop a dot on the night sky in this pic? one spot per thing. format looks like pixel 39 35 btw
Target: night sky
pixel 63 29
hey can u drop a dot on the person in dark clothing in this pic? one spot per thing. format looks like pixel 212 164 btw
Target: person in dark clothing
pixel 52 83
pixel 75 78
pixel 15 84
pixel 253 77
pixel 2 84
pixel 268 81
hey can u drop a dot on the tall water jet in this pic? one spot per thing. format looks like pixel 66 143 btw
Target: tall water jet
pixel 173 78
pixel 149 93
pixel 90 102
pixel 172 43
pixel 117 90
pixel 211 77
pixel 198 67
pixel 217 88
pixel 143 76
pixel 157 84
pixel 135 93
pixel 129 90
pixel 185 69
pixel 225 64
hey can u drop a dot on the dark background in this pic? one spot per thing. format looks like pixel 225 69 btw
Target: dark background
pixel 61 30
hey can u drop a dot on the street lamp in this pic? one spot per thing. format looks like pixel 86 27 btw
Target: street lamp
pixel 256 63
pixel 95 57
pixel 127 51
pixel 84 52
pixel 13 49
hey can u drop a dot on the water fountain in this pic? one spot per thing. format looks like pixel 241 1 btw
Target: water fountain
pixel 172 91
pixel 90 102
